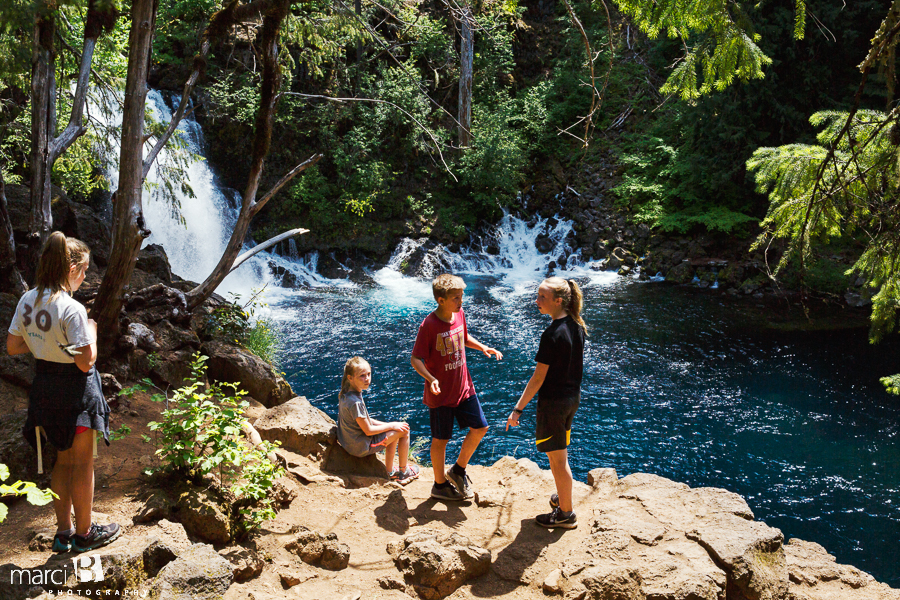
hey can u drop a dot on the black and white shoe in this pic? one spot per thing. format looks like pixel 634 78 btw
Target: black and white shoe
pixel 446 493
pixel 462 483
pixel 557 518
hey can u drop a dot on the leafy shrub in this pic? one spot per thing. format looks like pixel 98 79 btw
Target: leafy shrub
pixel 235 322
pixel 201 435
pixel 33 494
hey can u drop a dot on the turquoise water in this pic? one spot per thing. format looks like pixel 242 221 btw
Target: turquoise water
pixel 678 382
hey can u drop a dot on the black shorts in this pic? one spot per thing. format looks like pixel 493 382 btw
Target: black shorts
pixel 554 422
pixel 467 413
pixel 62 398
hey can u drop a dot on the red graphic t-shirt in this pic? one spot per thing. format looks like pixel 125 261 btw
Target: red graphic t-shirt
pixel 442 347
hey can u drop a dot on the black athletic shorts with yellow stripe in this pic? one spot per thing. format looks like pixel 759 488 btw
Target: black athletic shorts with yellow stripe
pixel 554 422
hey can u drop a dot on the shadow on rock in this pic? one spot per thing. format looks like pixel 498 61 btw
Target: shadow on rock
pixel 513 563
pixel 425 512
pixel 394 514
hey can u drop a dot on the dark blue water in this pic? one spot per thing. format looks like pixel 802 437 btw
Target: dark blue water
pixel 678 382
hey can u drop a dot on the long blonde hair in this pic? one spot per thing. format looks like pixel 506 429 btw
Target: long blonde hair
pixel 58 256
pixel 351 368
pixel 573 299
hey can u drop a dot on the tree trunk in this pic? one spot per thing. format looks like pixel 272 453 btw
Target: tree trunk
pixel 10 278
pixel 43 101
pixel 45 147
pixel 129 229
pixel 271 81
pixel 466 54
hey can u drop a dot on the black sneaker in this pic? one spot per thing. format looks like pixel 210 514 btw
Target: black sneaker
pixel 96 537
pixel 461 483
pixel 446 493
pixel 554 501
pixel 556 518
pixel 62 542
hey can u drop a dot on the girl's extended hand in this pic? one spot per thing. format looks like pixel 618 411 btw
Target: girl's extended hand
pixel 493 352
pixel 512 420
pixel 401 427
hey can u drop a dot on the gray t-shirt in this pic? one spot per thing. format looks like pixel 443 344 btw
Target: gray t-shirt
pixel 48 325
pixel 350 434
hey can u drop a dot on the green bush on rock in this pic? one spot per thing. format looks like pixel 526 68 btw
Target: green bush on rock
pixel 200 438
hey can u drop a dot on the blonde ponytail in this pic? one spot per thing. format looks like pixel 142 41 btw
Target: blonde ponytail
pixel 58 256
pixel 570 293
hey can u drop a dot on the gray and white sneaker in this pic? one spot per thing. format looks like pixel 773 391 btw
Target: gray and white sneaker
pixel 462 483
pixel 446 493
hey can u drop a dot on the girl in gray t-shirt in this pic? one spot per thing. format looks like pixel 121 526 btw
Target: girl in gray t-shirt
pixel 360 434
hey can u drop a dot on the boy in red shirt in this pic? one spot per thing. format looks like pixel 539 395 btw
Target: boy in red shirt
pixel 440 357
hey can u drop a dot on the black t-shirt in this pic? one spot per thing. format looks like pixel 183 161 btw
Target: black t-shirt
pixel 562 348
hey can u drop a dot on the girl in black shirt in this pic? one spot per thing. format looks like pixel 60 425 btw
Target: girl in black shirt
pixel 557 383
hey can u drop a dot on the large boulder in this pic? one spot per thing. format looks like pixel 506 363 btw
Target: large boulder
pixel 228 363
pixel 750 553
pixel 435 565
pixel 153 259
pixel 338 460
pixel 198 573
pixel 323 550
pixel 299 426
pixel 201 513
pixel 681 273
pixel 81 222
pixel 815 575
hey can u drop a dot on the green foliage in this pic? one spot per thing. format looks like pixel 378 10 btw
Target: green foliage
pixel 719 39
pixel 493 168
pixel 201 434
pixel 236 323
pixel 817 195
pixel 120 433
pixel 891 384
pixel 179 25
pixel 659 187
pixel 32 493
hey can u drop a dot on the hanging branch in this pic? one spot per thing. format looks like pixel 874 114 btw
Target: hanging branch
pixel 596 95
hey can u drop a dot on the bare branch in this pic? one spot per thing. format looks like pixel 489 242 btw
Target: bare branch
pixel 199 63
pixel 267 244
pixel 281 182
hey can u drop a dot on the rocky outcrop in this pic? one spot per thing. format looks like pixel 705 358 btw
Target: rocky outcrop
pixel 146 567
pixel 228 363
pixel 18 455
pixel 299 426
pixel 198 573
pixel 202 516
pixel 435 564
pixel 323 550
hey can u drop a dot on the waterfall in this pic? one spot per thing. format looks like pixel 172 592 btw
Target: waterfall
pixel 195 242
pixel 516 254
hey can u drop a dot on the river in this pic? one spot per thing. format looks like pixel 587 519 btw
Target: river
pixel 685 383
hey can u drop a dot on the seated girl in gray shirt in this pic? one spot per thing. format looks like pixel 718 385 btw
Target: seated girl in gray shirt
pixel 360 434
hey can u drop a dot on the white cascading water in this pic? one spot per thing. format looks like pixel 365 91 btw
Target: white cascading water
pixel 508 252
pixel 514 260
pixel 195 246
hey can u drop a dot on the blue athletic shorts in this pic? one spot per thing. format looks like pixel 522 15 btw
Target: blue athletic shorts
pixel 467 413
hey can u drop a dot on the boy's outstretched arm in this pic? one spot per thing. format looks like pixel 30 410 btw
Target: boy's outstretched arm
pixel 422 370
pixel 474 344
